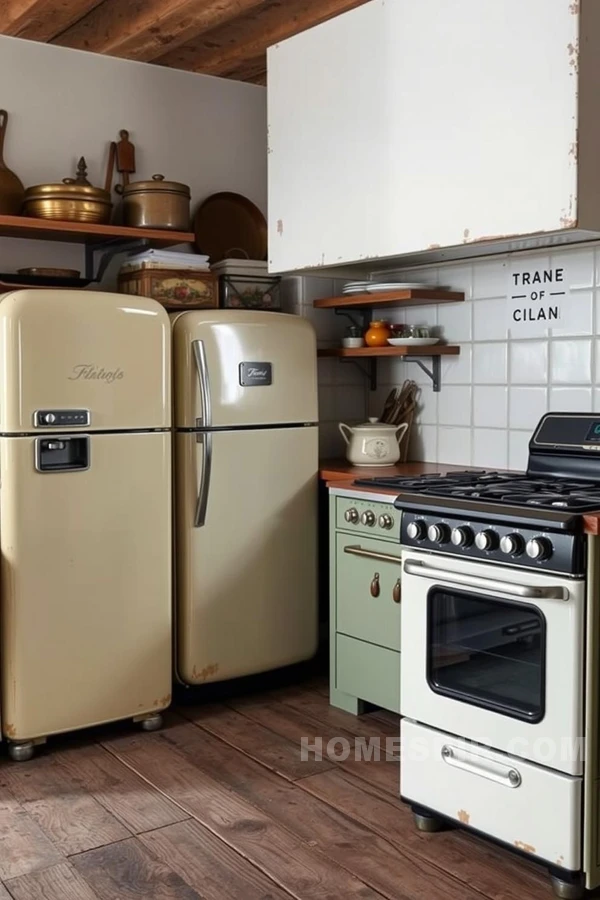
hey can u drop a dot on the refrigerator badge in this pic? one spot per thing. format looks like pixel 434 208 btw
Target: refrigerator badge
pixel 96 373
pixel 256 374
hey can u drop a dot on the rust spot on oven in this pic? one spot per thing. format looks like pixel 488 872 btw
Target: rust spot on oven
pixel 463 816
pixel 560 861
pixel 205 673
pixel 434 247
pixel 574 150
pixel 164 701
pixel 10 730
pixel 280 226
pixel 526 848
pixel 466 234
pixel 574 7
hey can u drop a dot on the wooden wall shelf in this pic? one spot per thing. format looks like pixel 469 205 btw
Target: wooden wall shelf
pixel 84 233
pixel 410 354
pixel 108 240
pixel 349 352
pixel 390 299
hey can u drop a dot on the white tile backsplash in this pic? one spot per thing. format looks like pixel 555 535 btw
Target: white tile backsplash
pixel 490 448
pixel 571 399
pixel 454 405
pixel 489 363
pixel 571 362
pixel 490 406
pixel 526 406
pixel 528 362
pixel 492 395
pixel 454 446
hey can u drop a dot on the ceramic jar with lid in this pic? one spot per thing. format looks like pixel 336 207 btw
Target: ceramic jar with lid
pixel 378 333
pixel 373 443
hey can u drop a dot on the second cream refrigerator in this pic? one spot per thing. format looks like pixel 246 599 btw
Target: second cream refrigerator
pixel 85 512
pixel 246 437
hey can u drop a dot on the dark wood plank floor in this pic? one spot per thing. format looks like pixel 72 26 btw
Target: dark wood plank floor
pixel 220 806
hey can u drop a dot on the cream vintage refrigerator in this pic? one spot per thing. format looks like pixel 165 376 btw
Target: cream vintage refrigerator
pixel 246 460
pixel 85 512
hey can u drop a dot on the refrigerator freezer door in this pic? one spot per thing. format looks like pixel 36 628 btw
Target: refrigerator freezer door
pixel 86 585
pixel 246 578
pixel 75 351
pixel 260 369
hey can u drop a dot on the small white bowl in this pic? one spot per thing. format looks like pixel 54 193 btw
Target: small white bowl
pixel 353 343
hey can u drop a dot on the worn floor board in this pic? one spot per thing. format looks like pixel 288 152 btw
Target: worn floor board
pixel 60 882
pixel 304 872
pixel 223 808
pixel 128 797
pixel 369 857
pixel 128 871
pixel 209 865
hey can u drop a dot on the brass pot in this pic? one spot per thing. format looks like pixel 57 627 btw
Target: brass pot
pixel 73 200
pixel 157 204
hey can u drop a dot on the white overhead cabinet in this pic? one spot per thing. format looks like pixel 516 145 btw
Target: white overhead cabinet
pixel 411 126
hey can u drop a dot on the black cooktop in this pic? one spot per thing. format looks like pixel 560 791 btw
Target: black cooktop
pixel 508 489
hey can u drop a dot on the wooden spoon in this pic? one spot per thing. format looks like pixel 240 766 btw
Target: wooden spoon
pixel 11 187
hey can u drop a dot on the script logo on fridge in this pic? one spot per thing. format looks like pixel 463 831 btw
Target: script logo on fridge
pixel 89 371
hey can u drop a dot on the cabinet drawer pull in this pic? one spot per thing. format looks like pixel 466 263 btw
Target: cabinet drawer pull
pixel 478 765
pixel 397 592
pixel 357 550
pixel 375 586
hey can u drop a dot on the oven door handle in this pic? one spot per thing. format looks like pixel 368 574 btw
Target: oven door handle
pixel 357 550
pixel 478 765
pixel 523 591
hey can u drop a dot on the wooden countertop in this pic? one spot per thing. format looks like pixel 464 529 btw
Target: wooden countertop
pixel 338 473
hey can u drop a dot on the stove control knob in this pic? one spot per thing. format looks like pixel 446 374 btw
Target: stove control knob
pixel 368 517
pixel 416 530
pixel 512 544
pixel 538 548
pixel 351 515
pixel 486 540
pixel 386 521
pixel 438 534
pixel 49 419
pixel 462 537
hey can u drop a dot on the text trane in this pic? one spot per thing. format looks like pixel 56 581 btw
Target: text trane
pixel 552 277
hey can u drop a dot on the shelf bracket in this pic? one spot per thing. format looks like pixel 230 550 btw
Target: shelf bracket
pixel 108 249
pixel 363 321
pixel 434 372
pixel 369 370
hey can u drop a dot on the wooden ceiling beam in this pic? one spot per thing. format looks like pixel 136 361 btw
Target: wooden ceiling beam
pixel 144 29
pixel 225 49
pixel 40 20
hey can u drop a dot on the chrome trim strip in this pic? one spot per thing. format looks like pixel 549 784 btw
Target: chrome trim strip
pixel 203 382
pixel 204 438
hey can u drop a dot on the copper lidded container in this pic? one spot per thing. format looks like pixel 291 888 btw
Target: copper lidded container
pixel 72 200
pixel 157 204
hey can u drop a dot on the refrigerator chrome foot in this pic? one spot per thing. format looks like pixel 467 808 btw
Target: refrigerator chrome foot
pixel 152 723
pixel 21 752
pixel 426 822
pixel 567 890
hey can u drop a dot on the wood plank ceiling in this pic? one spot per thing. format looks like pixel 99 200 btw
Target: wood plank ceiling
pixel 216 37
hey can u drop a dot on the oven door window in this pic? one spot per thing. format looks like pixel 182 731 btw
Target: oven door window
pixel 487 652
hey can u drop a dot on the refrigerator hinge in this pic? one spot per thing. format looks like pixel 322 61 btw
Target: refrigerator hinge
pixel 109 249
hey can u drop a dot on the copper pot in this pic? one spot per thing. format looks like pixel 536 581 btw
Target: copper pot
pixel 72 200
pixel 157 204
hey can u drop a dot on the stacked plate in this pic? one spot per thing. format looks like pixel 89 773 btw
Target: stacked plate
pixel 376 287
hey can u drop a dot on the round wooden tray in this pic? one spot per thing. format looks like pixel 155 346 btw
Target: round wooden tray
pixel 229 226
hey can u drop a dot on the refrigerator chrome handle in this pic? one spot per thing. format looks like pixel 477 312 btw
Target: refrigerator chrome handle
pixel 203 382
pixel 204 438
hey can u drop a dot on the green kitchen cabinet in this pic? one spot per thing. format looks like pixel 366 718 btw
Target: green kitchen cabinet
pixel 365 599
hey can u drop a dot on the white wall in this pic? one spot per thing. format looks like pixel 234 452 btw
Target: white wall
pixel 207 132
pixel 504 380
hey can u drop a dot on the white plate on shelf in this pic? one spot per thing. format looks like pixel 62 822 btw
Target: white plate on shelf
pixel 413 342
pixel 374 287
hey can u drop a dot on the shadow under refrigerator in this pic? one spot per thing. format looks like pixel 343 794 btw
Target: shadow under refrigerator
pixel 85 512
pixel 246 463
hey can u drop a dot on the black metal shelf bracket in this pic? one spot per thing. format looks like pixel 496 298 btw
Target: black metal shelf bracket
pixel 109 249
pixel 369 370
pixel 363 321
pixel 434 373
